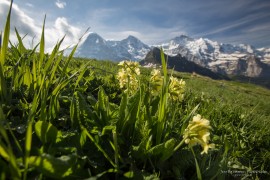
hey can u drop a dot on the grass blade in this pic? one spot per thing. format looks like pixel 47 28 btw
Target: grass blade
pixel 21 47
pixel 28 143
pixel 163 101
pixel 98 146
pixel 4 48
pixel 199 175
pixel 6 38
pixel 42 46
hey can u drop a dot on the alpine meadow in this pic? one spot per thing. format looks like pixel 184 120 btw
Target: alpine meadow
pixel 63 117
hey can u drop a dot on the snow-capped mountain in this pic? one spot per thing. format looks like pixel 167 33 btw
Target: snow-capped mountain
pixel 226 59
pixel 96 47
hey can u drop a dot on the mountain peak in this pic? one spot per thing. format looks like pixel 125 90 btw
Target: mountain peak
pixel 93 34
pixel 132 38
pixel 183 37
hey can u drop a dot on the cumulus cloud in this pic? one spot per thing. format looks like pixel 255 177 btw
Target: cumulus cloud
pixel 60 29
pixel 19 19
pixel 60 4
pixel 26 25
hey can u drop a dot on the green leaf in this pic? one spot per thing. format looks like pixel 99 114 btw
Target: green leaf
pixel 122 110
pixel 21 47
pixel 162 109
pixel 28 146
pixel 67 63
pixel 108 130
pixel 156 150
pixel 199 175
pixel 102 106
pixel 61 167
pixel 98 146
pixel 168 150
pixel 48 65
pixel 83 138
pixel 4 48
pixel 47 133
pixel 4 151
pixel 129 174
pixel 42 46
pixel 133 107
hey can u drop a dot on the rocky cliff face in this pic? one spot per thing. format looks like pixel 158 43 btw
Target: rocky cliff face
pixel 179 63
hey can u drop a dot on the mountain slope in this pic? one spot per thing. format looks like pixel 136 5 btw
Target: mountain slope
pixel 225 59
pixel 179 63
pixel 96 47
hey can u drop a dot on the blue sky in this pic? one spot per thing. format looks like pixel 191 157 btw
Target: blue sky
pixel 152 21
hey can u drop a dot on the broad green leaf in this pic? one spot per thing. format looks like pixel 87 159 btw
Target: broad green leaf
pixel 47 133
pixel 61 167
pixel 168 150
pixel 156 150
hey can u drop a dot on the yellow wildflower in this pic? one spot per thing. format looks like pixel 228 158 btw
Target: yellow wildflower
pixel 127 75
pixel 156 81
pixel 176 88
pixel 198 132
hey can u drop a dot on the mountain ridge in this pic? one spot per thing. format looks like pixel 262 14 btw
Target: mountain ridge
pixel 179 63
pixel 96 47
pixel 221 58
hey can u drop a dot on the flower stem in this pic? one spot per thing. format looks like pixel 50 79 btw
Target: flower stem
pixel 179 145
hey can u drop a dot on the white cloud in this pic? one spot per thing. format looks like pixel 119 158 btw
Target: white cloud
pixel 54 31
pixel 60 29
pixel 20 20
pixel 60 4
pixel 29 5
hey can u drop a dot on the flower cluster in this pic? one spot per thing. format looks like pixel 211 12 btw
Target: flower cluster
pixel 156 82
pixel 198 132
pixel 176 88
pixel 127 75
